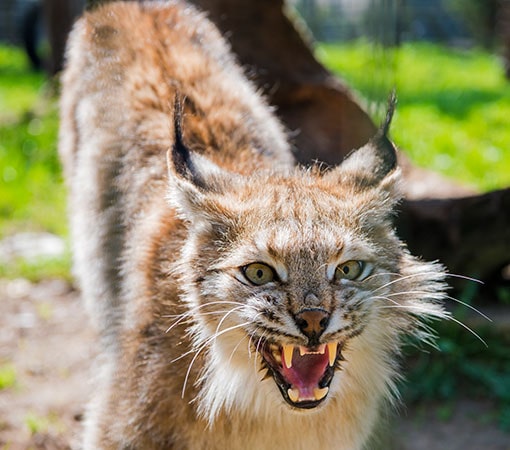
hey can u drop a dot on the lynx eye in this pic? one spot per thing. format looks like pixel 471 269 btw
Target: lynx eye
pixel 259 273
pixel 350 270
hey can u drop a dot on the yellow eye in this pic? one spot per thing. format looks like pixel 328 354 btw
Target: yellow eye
pixel 259 273
pixel 350 270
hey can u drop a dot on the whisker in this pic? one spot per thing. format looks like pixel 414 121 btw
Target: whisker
pixel 235 348
pixel 448 317
pixel 256 353
pixel 386 298
pixel 203 305
pixel 220 323
pixel 467 305
pixel 191 312
pixel 463 277
pixel 381 274
pixel 406 277
pixel 469 329
pixel 203 346
pixel 250 341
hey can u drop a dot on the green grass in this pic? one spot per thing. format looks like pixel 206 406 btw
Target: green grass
pixel 453 105
pixel 32 196
pixel 462 366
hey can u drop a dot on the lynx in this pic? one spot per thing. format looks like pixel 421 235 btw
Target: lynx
pixel 242 301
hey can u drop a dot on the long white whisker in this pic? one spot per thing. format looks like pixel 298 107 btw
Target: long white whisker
pixel 381 274
pixel 235 348
pixel 463 277
pixel 449 317
pixel 469 329
pixel 400 279
pixel 204 345
pixel 467 305
pixel 191 316
pixel 191 312
pixel 250 341
pixel 386 298
pixel 220 323
pixel 203 305
pixel 256 353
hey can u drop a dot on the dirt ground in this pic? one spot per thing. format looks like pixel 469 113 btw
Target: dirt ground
pixel 46 350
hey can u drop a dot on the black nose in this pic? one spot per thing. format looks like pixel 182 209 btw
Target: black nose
pixel 312 321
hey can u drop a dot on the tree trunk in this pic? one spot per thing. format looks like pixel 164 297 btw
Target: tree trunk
pixel 470 235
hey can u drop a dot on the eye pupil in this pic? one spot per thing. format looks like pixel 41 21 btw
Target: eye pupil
pixel 350 270
pixel 259 273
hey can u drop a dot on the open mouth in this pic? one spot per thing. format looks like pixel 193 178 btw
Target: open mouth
pixel 303 374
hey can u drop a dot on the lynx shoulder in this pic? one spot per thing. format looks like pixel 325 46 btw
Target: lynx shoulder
pixel 242 301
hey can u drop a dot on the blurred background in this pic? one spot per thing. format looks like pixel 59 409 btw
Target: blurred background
pixel 449 61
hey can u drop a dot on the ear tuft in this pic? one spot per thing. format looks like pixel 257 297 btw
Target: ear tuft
pixel 390 110
pixel 368 165
pixel 179 158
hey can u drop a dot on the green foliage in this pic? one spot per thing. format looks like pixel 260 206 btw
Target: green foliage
pixel 453 105
pixel 462 366
pixel 39 269
pixel 31 190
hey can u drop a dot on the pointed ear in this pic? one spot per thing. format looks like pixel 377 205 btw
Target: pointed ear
pixel 370 164
pixel 193 178
pixel 184 164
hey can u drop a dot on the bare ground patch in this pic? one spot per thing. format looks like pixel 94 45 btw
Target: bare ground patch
pixel 46 351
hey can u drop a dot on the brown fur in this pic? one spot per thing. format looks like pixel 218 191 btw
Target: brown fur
pixel 159 249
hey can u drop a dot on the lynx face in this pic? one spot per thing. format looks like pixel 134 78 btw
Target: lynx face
pixel 290 268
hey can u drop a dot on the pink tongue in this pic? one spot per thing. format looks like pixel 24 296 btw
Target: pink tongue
pixel 306 372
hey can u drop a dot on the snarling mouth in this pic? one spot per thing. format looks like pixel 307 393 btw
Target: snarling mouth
pixel 303 374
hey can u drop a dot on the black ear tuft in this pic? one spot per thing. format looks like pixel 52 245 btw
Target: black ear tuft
pixel 370 164
pixel 392 101
pixel 385 148
pixel 384 151
pixel 180 154
pixel 180 158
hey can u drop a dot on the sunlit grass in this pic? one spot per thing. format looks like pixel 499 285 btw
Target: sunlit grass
pixel 453 105
pixel 31 191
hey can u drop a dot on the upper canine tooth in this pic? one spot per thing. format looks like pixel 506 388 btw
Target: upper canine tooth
pixel 320 393
pixel 332 346
pixel 288 350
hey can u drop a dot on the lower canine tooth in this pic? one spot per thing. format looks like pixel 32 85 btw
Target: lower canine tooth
pixel 320 393
pixel 332 346
pixel 293 394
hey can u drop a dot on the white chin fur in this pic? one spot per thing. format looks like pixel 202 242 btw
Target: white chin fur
pixel 233 386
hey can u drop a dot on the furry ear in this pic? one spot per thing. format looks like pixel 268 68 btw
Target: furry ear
pixel 370 164
pixel 186 165
pixel 193 179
